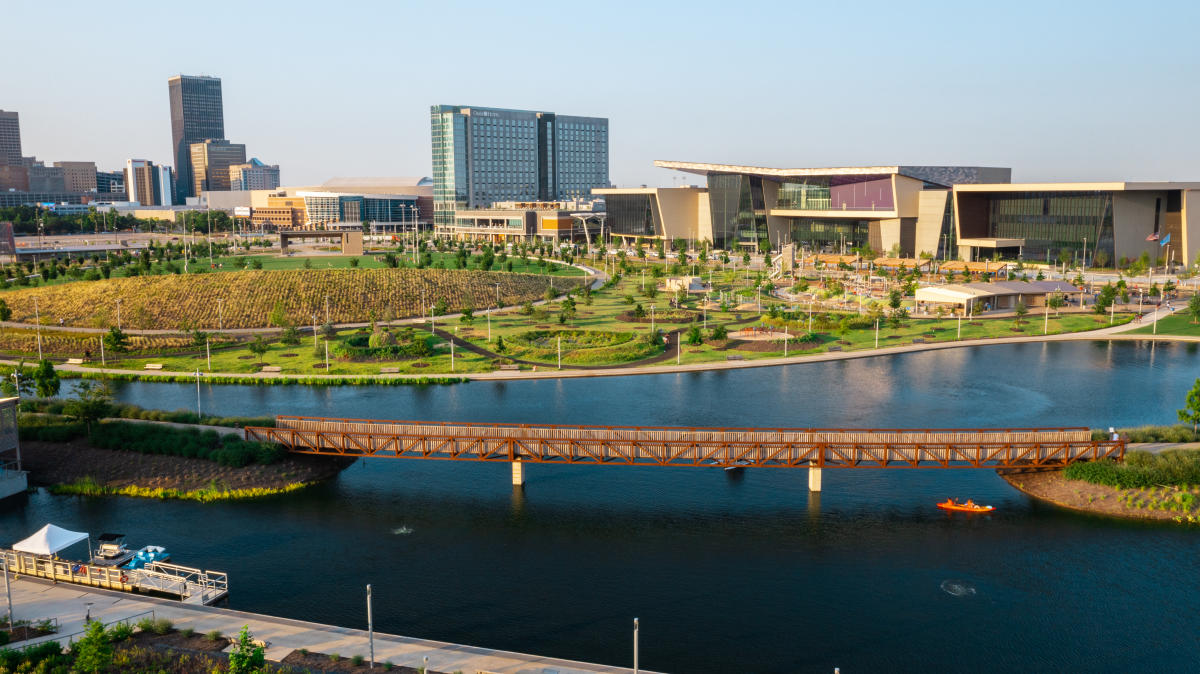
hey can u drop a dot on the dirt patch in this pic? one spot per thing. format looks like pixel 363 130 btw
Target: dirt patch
pixel 322 662
pixel 248 357
pixel 420 364
pixel 23 632
pixel 52 463
pixel 178 640
pixel 770 347
pixel 1052 487
pixel 320 366
pixel 288 355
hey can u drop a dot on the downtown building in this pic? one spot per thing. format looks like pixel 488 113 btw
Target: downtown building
pixel 148 184
pixel 209 163
pixel 485 156
pixel 197 115
pixel 943 212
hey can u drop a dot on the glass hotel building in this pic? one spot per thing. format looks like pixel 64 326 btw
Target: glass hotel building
pixel 486 155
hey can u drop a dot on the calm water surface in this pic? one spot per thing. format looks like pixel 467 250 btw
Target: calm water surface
pixel 743 573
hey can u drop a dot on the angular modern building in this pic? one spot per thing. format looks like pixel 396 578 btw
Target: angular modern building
pixel 904 208
pixel 486 155
pixel 1096 224
pixel 197 114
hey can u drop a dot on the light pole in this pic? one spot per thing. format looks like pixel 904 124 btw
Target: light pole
pixel 635 646
pixel 370 628
pixel 198 416
pixel 8 593
pixel 37 320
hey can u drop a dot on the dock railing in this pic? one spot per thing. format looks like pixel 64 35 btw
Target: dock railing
pixel 184 582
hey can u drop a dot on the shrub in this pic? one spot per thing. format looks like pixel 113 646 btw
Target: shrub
pixel 92 652
pixel 188 632
pixel 214 635
pixel 357 660
pixel 246 656
pixel 119 632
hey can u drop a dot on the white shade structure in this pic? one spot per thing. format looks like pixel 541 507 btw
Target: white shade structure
pixel 49 540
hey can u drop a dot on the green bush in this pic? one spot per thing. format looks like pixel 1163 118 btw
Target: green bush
pixel 49 429
pixel 228 450
pixel 1141 470
pixel 119 632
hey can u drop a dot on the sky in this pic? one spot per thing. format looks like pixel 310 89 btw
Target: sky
pixel 1054 90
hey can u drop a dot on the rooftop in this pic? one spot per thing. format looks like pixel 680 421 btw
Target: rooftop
pixel 918 172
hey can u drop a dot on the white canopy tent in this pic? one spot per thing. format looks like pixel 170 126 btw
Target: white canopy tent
pixel 49 540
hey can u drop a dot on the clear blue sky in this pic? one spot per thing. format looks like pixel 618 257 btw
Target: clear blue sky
pixel 1056 90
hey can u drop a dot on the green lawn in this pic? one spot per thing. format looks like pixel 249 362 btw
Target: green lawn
pixel 624 340
pixel 1178 323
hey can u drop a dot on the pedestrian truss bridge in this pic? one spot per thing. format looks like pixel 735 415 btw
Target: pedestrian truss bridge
pixel 812 448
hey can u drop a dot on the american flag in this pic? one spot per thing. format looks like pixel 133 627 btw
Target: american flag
pixel 1152 237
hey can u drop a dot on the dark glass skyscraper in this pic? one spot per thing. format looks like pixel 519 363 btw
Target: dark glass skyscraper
pixel 197 115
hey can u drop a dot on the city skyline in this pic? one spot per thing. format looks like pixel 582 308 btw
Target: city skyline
pixel 1069 96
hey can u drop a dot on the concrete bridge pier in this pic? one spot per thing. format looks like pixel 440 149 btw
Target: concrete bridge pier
pixel 518 474
pixel 814 478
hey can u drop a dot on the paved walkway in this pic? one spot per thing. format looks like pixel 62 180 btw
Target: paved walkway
pixel 36 599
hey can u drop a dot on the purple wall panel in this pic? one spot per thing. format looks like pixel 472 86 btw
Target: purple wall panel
pixel 866 195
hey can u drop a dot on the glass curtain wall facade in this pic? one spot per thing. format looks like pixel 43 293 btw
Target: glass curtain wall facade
pixel 828 235
pixel 485 155
pixel 739 216
pixel 631 214
pixel 1054 222
pixel 827 193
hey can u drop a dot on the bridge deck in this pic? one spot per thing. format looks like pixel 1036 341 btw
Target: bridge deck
pixel 678 446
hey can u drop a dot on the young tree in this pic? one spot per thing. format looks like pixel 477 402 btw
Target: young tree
pixel 468 316
pixel 1193 306
pixel 501 347
pixel 694 337
pixel 93 401
pixel 116 341
pixel 1020 310
pixel 259 347
pixel 5 311
pixel 1056 301
pixel 46 379
pixel 1191 407
pixel 92 652
pixel 246 657
pixel 290 336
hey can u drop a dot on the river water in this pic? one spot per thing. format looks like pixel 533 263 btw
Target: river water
pixel 727 573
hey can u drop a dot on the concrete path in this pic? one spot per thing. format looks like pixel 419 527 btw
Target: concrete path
pixel 36 599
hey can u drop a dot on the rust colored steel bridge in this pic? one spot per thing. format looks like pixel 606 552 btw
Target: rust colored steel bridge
pixel 811 448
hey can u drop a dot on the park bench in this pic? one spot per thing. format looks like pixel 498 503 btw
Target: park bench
pixel 835 347
pixel 735 356
pixel 272 368
pixel 918 340
pixel 74 361
pixel 389 370
pixel 153 366
pixel 510 366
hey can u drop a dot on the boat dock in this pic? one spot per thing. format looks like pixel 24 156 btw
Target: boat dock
pixel 183 583
pixel 34 598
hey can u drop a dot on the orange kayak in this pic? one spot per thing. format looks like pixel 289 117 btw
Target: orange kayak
pixel 968 507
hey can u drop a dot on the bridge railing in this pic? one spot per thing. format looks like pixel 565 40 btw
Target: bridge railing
pixel 665 445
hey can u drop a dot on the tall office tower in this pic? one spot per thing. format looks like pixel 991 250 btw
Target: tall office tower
pixel 210 162
pixel 79 176
pixel 148 184
pixel 253 175
pixel 10 139
pixel 197 114
pixel 485 155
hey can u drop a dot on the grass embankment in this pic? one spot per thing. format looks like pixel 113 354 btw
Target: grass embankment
pixel 1163 486
pixel 289 367
pixel 1179 323
pixel 249 299
pixel 56 407
pixel 87 486
pixel 155 461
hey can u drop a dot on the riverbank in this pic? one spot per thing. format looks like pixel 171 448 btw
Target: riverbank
pixel 1144 504
pixel 71 466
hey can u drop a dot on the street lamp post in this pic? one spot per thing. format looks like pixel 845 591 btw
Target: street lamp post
pixel 37 320
pixel 635 646
pixel 198 416
pixel 370 629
